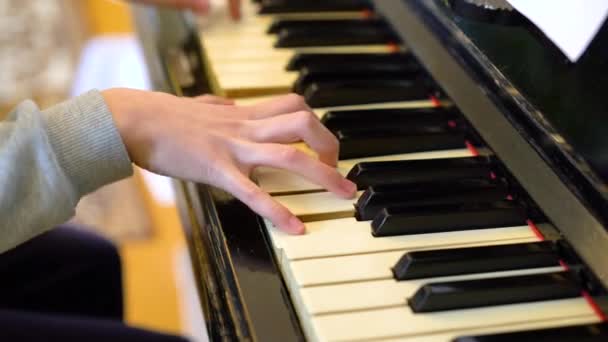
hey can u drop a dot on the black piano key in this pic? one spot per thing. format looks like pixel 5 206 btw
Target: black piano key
pixel 415 171
pixel 447 262
pixel 352 92
pixel 439 218
pixel 453 295
pixel 313 36
pixel 376 198
pixel 581 333
pixel 301 60
pixel 348 71
pixel 359 143
pixel 328 24
pixel 386 118
pixel 293 6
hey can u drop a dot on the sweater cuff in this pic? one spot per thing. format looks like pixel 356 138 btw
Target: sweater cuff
pixel 87 143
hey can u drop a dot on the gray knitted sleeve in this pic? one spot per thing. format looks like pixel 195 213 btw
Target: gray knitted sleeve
pixel 51 158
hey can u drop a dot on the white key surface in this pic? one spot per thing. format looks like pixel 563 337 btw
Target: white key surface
pixel 321 111
pixel 318 203
pixel 348 236
pixel 513 327
pixel 377 265
pixel 401 321
pixel 244 59
pixel 384 293
pixel 277 181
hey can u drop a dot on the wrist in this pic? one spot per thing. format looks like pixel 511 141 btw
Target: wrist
pixel 125 106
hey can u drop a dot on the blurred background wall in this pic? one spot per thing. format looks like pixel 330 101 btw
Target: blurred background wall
pixel 41 42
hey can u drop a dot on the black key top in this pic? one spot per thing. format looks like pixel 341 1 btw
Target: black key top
pixel 447 218
pixel 340 36
pixel 498 291
pixel 285 24
pixel 347 71
pixel 293 6
pixel 301 60
pixel 415 171
pixel 376 198
pixel 447 262
pixel 352 92
pixel 387 118
pixel 359 143
pixel 581 333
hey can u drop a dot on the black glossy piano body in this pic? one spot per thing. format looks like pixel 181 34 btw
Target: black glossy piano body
pixel 541 115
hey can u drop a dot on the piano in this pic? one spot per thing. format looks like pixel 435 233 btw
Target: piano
pixel 478 149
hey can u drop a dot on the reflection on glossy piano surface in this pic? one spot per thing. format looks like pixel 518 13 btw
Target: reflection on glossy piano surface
pixel 478 150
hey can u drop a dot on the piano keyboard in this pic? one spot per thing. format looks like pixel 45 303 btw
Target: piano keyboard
pixel 404 260
pixel 245 62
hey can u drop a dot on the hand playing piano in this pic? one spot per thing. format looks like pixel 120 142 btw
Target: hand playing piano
pixel 197 6
pixel 210 140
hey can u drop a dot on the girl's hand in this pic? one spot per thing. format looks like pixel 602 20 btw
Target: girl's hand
pixel 208 140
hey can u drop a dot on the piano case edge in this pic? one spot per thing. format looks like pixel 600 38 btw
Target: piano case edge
pixel 242 292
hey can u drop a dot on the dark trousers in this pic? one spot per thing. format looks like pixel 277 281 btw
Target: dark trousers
pixel 65 285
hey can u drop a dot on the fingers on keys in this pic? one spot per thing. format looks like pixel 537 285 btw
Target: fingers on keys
pixel 262 203
pixel 302 125
pixel 267 127
pixel 290 158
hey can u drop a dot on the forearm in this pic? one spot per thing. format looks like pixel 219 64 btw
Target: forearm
pixel 49 159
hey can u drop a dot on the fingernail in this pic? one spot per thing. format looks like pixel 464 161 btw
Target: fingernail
pixel 349 187
pixel 296 226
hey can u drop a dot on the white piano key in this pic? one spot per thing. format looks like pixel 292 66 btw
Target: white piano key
pixel 242 42
pixel 224 26
pixel 341 269
pixel 384 105
pixel 239 51
pixel 230 50
pixel 276 181
pixel 514 327
pixel 269 67
pixel 238 75
pixel 246 83
pixel 230 53
pixel 348 236
pixel 309 206
pixel 337 298
pixel 402 322
pixel 321 111
pixel 377 265
pixel 226 57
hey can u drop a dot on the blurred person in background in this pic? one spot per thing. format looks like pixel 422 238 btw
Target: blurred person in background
pixel 66 284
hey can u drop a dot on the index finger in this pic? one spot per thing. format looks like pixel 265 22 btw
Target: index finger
pixel 261 202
